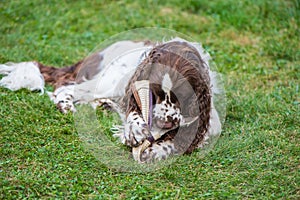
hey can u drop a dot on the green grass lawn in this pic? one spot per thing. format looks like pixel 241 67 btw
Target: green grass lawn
pixel 255 44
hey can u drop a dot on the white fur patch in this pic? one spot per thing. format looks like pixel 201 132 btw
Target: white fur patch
pixel 167 84
pixel 22 75
pixel 120 61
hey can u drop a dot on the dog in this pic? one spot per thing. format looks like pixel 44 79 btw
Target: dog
pixel 180 92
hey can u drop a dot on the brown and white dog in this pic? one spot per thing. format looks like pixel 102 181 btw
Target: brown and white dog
pixel 182 87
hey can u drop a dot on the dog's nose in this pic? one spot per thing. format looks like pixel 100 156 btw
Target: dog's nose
pixel 164 124
pixel 169 119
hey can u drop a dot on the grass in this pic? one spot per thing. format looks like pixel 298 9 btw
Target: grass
pixel 255 44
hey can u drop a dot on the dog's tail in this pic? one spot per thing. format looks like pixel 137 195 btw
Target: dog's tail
pixel 33 75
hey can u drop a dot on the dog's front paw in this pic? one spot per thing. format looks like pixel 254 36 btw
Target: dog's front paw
pixel 136 130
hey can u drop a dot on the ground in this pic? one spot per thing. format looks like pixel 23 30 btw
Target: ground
pixel 255 44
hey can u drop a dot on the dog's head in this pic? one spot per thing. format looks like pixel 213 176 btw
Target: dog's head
pixel 180 86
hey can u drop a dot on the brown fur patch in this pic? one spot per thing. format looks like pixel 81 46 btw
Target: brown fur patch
pixel 77 73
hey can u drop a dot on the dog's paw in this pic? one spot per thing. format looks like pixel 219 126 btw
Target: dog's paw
pixel 63 97
pixel 136 130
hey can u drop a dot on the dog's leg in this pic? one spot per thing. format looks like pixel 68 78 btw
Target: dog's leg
pixel 135 130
